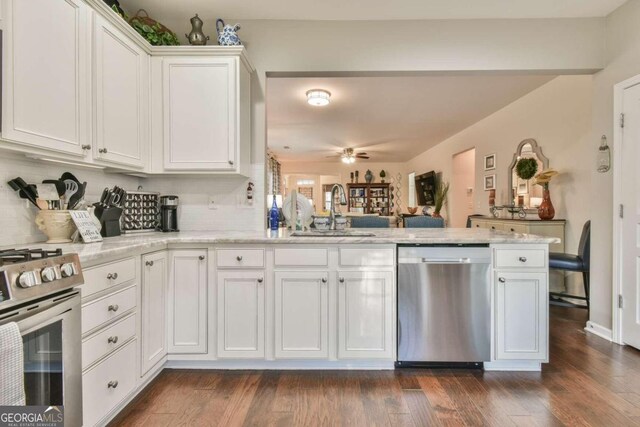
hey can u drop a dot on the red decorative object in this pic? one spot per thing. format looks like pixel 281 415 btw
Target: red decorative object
pixel 546 210
pixel 436 215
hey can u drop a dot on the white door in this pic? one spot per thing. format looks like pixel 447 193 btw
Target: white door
pixel 521 316
pixel 188 301
pixel 154 309
pixel 365 314
pixel 45 103
pixel 240 314
pixel 630 223
pixel 301 309
pixel 200 113
pixel 121 85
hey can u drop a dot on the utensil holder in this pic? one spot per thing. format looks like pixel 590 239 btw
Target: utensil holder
pixel 109 220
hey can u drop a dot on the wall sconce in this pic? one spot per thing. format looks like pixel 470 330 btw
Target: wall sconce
pixel 604 156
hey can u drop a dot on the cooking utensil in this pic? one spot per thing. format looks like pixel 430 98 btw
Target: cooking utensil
pixel 25 191
pixel 49 193
pixel 60 187
pixel 71 189
pixel 78 196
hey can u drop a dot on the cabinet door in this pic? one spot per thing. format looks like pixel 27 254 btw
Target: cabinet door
pixel 46 75
pixel 154 309
pixel 240 314
pixel 301 308
pixel 188 301
pixel 121 81
pixel 520 316
pixel 200 113
pixel 365 314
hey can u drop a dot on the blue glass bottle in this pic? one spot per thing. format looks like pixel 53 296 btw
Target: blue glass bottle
pixel 274 215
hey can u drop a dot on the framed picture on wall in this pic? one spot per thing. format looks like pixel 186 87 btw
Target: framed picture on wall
pixel 489 182
pixel 490 162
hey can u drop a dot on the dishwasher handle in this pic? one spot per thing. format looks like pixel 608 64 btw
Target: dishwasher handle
pixel 465 260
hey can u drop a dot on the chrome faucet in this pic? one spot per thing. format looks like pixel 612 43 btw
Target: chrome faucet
pixel 343 201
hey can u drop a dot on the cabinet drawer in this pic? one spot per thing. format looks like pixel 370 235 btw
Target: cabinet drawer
pixel 108 340
pixel 516 228
pixel 355 257
pixel 105 276
pixel 311 257
pixel 240 258
pixel 105 385
pixel 104 309
pixel 526 258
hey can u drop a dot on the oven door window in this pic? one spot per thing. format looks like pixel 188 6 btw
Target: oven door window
pixel 43 377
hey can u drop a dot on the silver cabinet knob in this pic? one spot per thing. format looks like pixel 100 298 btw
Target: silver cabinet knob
pixel 324 280
pixel 113 307
pixel 239 257
pixel 112 276
pixel 231 162
pixel 260 280
pixel 522 259
pixel 502 280
pixel 86 147
pixel 149 263
pixel 102 150
pixel 112 384
pixel 201 257
pixel 341 280
pixel 112 340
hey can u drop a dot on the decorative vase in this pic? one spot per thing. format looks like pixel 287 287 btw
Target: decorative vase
pixel 368 176
pixel 357 176
pixel 546 210
pixel 228 34
pixel 196 36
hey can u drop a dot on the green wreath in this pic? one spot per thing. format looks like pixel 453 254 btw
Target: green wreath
pixel 526 168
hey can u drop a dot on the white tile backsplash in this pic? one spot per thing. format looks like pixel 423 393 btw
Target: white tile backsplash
pixel 17 226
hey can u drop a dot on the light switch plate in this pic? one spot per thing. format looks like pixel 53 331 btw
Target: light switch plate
pixel 212 204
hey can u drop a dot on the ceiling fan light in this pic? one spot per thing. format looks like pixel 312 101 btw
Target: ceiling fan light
pixel 346 160
pixel 318 97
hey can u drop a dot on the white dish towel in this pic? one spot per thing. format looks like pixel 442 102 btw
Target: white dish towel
pixel 11 366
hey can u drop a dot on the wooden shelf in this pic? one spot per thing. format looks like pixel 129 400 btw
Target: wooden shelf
pixel 368 197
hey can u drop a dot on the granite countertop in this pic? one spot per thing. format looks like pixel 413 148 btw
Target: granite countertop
pixel 116 246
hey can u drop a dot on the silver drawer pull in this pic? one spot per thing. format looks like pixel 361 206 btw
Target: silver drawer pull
pixel 112 276
pixel 113 307
pixel 324 280
pixel 112 384
pixel 201 257
pixel 231 162
pixel 112 340
pixel 102 150
pixel 522 259
pixel 86 147
pixel 239 257
pixel 502 280
pixel 149 263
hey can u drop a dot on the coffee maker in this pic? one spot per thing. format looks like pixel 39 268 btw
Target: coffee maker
pixel 169 213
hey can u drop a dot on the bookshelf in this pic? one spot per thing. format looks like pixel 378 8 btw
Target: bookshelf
pixel 369 198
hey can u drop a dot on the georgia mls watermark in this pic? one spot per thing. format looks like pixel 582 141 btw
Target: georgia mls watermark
pixel 31 416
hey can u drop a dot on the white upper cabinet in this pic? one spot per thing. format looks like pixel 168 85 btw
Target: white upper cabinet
pixel 46 77
pixel 205 117
pixel 121 97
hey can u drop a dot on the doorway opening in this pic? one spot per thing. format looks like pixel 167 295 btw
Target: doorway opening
pixel 463 187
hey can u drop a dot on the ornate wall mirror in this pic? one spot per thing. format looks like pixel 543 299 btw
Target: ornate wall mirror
pixel 526 192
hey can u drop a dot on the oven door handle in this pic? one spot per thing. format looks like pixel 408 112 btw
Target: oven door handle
pixel 47 314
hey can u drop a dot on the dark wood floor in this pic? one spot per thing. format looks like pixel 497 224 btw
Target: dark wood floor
pixel 588 382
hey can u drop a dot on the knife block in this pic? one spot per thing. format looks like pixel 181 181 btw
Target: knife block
pixel 109 220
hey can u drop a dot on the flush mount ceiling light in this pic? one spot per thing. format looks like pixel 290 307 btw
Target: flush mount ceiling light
pixel 318 97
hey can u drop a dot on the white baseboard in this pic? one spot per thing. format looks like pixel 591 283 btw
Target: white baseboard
pixel 280 364
pixel 513 365
pixel 599 330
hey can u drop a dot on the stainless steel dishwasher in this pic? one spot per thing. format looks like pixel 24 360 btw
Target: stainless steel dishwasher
pixel 444 306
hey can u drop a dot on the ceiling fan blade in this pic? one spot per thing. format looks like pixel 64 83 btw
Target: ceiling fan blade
pixel 362 157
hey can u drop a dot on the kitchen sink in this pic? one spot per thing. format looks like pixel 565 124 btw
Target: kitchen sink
pixel 331 233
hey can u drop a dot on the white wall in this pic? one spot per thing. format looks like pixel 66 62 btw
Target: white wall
pixel 17 226
pixel 623 62
pixel 463 178
pixel 558 116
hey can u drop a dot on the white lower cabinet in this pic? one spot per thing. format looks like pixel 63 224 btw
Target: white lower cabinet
pixel 301 314
pixel 365 314
pixel 108 383
pixel 521 307
pixel 187 301
pixel 240 296
pixel 154 309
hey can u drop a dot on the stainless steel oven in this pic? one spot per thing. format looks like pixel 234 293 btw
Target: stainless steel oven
pixel 37 293
pixel 51 339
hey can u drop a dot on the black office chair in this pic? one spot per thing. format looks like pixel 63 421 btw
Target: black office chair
pixel 578 263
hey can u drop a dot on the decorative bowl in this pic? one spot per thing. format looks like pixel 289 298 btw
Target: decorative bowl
pixel 322 222
pixel 412 210
pixel 341 222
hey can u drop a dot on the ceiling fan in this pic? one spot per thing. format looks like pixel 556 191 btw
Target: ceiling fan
pixel 348 156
